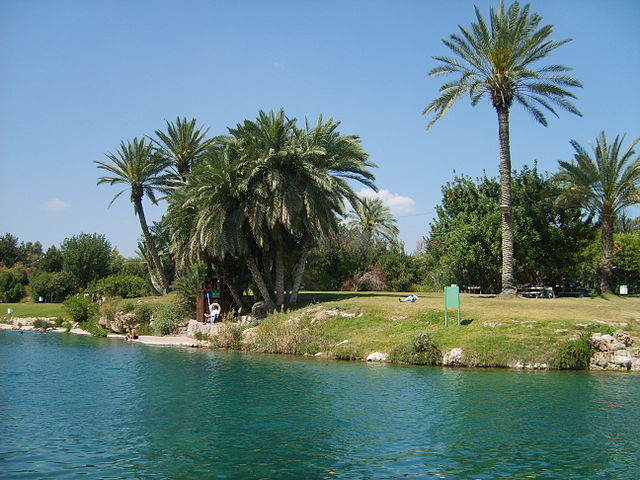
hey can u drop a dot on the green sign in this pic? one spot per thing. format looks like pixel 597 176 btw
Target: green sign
pixel 451 300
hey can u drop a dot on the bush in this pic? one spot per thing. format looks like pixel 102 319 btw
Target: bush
pixel 348 352
pixel 276 336
pixel 421 351
pixel 123 285
pixel 94 329
pixel 143 312
pixel 41 323
pixel 229 336
pixel 574 354
pixel 80 309
pixel 167 318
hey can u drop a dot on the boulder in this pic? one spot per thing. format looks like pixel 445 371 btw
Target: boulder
pixel 210 329
pixel 377 357
pixel 453 358
pixel 611 352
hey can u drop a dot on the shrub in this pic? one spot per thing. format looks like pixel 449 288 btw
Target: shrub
pixel 574 354
pixel 167 318
pixel 421 351
pixel 229 336
pixel 143 312
pixel 276 336
pixel 201 336
pixel 41 323
pixel 348 352
pixel 123 285
pixel 80 309
pixel 95 330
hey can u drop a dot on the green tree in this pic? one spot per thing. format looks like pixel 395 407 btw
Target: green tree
pixel 52 286
pixel 183 144
pixel 11 288
pixel 10 252
pixel 604 185
pixel 51 261
pixel 499 60
pixel 463 245
pixel 135 166
pixel 87 257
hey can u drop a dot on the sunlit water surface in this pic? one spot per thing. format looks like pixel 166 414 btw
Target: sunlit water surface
pixel 74 406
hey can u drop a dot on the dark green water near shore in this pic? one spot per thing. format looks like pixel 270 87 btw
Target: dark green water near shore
pixel 99 408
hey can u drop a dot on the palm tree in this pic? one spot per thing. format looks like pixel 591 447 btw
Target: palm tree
pixel 329 159
pixel 604 185
pixel 374 220
pixel 135 166
pixel 183 145
pixel 499 60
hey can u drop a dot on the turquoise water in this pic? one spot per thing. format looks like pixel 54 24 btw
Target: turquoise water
pixel 74 406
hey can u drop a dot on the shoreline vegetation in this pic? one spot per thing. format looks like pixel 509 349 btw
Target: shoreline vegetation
pixel 561 333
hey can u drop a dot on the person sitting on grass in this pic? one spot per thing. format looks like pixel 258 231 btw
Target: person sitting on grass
pixel 410 298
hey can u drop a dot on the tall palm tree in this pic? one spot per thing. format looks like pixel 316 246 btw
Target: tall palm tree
pixel 604 185
pixel 135 166
pixel 183 144
pixel 499 60
pixel 374 220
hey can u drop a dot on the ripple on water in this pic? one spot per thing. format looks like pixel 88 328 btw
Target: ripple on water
pixel 100 408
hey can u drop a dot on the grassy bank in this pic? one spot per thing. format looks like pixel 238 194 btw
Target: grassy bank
pixel 494 331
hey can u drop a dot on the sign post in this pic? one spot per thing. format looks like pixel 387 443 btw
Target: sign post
pixel 451 300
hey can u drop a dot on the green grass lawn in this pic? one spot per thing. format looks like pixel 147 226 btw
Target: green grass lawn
pixel 494 330
pixel 31 310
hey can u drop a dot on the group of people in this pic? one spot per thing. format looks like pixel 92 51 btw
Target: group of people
pixel 132 334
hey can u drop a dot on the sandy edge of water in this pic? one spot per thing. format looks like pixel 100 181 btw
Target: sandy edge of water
pixel 172 341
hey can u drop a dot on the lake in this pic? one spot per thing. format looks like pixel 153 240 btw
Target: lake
pixel 74 406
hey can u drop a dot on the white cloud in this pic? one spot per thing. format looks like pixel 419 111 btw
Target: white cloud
pixel 397 204
pixel 55 205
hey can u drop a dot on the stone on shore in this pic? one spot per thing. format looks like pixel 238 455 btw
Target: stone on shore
pixel 377 357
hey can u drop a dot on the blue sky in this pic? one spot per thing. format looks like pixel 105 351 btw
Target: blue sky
pixel 79 76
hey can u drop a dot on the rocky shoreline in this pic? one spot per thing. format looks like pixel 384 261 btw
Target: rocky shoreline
pixel 612 352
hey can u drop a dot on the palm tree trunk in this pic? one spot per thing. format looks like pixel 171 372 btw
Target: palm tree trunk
pixel 260 283
pixel 506 204
pixel 279 281
pixel 164 289
pixel 297 279
pixel 606 279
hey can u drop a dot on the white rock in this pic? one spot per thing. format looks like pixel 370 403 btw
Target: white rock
pixel 453 357
pixel 377 357
pixel 342 343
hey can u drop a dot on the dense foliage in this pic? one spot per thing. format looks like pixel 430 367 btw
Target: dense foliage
pixel 463 245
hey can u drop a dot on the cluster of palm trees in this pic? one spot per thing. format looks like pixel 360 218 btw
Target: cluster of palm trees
pixel 499 59
pixel 250 204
